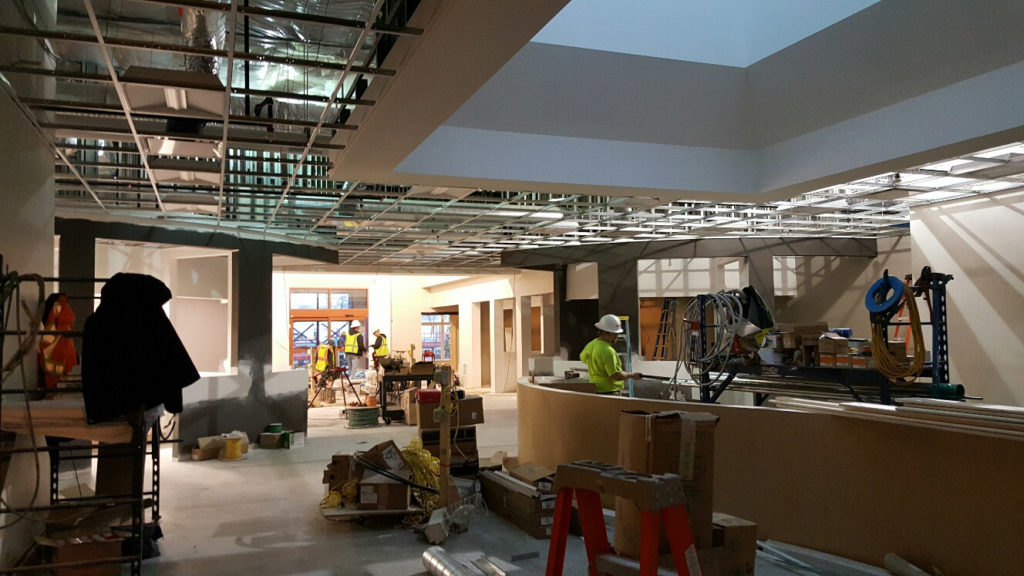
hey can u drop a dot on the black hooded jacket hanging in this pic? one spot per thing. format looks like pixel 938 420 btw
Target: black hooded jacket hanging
pixel 131 356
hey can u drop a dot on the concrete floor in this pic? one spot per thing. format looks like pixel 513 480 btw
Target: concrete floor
pixel 260 515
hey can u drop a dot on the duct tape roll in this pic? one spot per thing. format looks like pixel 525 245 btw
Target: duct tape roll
pixel 439 562
pixel 232 449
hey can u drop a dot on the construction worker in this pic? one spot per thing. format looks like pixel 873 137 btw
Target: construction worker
pixel 355 348
pixel 380 348
pixel 603 362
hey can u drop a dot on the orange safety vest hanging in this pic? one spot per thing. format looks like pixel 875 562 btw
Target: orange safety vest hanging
pixel 57 354
pixel 324 357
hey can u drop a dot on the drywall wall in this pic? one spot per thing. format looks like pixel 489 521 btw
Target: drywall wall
pixel 832 288
pixel 673 277
pixel 26 244
pixel 855 488
pixel 979 243
pixel 581 281
pixel 221 404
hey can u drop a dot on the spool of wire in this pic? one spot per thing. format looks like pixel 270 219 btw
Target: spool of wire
pixel 723 312
pixel 882 309
pixel 362 416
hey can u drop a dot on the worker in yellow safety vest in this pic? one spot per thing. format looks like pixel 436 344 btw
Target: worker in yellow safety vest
pixel 380 348
pixel 355 347
pixel 603 363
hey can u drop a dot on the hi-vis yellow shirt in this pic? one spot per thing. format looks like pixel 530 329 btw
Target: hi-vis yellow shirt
pixel 602 361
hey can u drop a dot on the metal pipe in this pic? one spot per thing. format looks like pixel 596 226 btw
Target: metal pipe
pixel 439 562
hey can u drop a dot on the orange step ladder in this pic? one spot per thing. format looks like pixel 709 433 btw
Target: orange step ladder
pixel 660 499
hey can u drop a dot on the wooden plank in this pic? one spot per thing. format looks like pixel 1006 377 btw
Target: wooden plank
pixel 1016 412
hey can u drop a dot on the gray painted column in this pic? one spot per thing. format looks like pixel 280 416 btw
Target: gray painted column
pixel 619 294
pixel 78 260
pixel 255 318
pixel 761 274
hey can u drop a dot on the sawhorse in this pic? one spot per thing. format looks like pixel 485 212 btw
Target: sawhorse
pixel 660 499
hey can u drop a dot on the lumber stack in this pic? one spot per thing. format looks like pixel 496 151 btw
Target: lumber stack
pixel 968 417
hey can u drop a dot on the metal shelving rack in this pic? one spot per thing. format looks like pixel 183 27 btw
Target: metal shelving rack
pixel 852 381
pixel 135 449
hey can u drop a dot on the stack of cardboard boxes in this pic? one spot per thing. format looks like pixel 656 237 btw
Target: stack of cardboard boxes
pixel 372 490
pixel 523 495
pixel 682 443
pixel 795 344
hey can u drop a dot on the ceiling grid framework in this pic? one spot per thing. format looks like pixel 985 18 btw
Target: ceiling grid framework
pixel 270 175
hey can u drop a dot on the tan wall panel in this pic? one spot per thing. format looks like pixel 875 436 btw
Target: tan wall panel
pixel 855 488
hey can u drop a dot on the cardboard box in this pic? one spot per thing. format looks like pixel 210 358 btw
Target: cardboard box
pixel 789 340
pixel 814 328
pixel 842 360
pixel 827 360
pixel 81 547
pixel 210 447
pixel 862 362
pixel 898 349
pixel 519 503
pixel 541 478
pixel 832 343
pixel 208 453
pixel 738 538
pixel 680 443
pixel 341 468
pixel 378 492
pixel 273 440
pixel 410 407
pixel 470 413
pixel 387 456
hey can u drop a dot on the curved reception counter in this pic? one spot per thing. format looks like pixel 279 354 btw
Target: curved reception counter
pixel 856 488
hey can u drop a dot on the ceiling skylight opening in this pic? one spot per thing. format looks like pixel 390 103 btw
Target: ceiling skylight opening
pixel 944 182
pixel 937 195
pixel 946 165
pixel 1004 152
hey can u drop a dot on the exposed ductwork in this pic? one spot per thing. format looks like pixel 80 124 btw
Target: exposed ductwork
pixel 203 29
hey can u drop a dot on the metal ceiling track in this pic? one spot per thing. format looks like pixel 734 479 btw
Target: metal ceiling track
pixel 190 50
pixel 292 16
pixel 70 76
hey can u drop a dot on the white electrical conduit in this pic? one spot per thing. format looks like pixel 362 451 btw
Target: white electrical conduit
pixel 726 316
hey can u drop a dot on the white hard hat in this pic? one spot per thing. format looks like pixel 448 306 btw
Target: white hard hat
pixel 609 323
pixel 355 324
